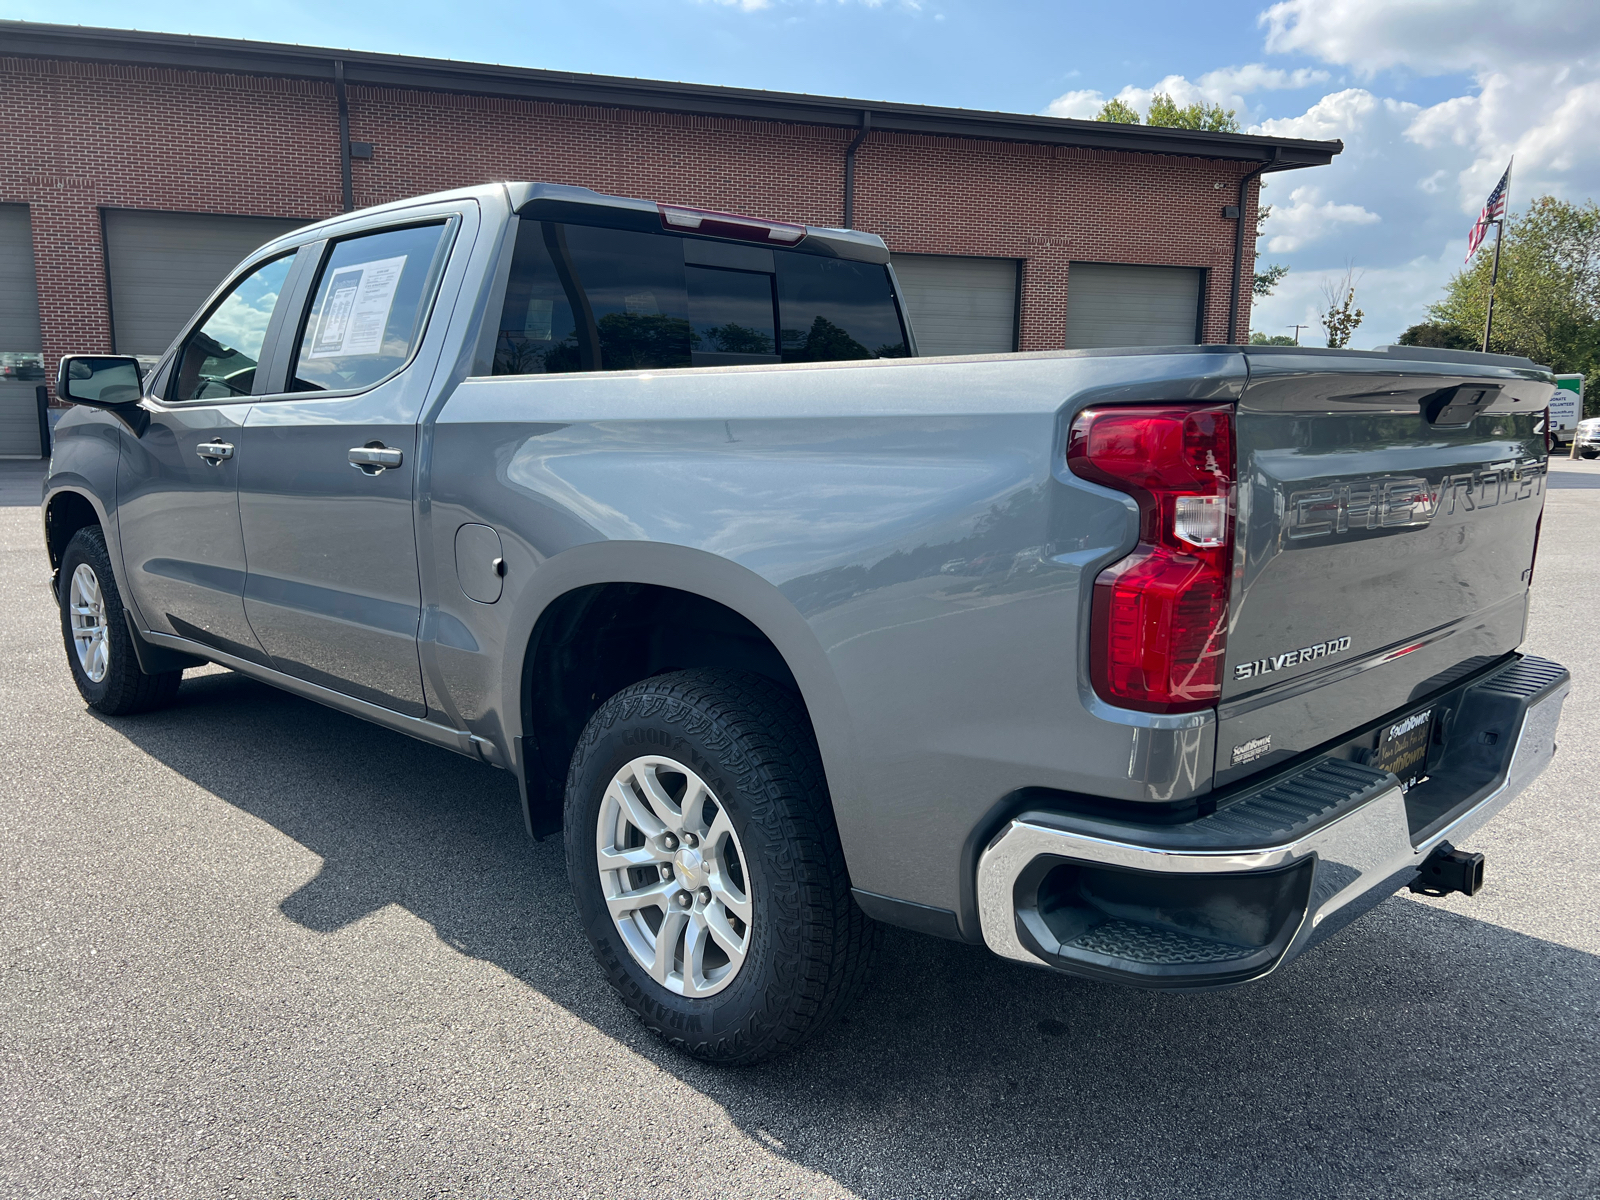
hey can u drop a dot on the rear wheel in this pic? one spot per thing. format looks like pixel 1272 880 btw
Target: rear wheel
pixel 707 868
pixel 99 647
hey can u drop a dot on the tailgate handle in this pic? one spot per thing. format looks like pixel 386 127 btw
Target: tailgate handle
pixel 1453 407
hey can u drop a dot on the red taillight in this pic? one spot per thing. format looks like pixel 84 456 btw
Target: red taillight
pixel 1160 619
pixel 729 225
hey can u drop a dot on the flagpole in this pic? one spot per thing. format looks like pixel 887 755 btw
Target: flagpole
pixel 1494 276
pixel 1494 272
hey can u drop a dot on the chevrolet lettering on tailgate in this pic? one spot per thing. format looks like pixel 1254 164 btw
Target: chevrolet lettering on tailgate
pixel 1406 503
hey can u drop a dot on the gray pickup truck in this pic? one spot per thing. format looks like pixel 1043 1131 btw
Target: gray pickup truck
pixel 1151 665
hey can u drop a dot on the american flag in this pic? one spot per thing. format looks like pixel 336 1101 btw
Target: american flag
pixel 1493 209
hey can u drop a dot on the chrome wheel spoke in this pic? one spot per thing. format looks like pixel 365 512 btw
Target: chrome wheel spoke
pixel 637 813
pixel 667 939
pixel 612 859
pixel 716 922
pixel 666 811
pixel 735 901
pixel 695 938
pixel 655 895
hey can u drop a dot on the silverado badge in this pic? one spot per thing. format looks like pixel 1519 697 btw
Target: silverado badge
pixel 1289 658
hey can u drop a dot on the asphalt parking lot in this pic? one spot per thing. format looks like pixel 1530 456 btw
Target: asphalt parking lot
pixel 251 947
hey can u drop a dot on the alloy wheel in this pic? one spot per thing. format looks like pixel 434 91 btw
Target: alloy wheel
pixel 90 634
pixel 673 876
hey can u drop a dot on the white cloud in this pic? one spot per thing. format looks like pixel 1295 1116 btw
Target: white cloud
pixel 1337 115
pixel 1531 89
pixel 1433 38
pixel 1080 105
pixel 1397 203
pixel 1227 86
pixel 1256 77
pixel 1308 218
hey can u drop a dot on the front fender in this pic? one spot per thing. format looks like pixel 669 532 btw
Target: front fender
pixel 83 462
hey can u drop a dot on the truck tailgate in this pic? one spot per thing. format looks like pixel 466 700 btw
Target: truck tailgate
pixel 1386 521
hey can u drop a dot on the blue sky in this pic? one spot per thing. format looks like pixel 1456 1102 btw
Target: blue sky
pixel 1431 98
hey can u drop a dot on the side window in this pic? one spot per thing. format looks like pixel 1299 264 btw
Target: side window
pixel 218 360
pixel 367 310
pixel 584 298
pixel 539 333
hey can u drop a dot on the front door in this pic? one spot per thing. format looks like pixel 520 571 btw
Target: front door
pixel 177 476
pixel 328 474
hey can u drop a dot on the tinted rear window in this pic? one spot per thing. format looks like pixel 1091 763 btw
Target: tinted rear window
pixel 582 298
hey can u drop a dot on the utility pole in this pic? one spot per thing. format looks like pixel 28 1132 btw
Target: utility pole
pixel 1297 329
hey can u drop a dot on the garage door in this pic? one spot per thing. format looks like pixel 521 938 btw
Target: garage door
pixel 1114 305
pixel 21 364
pixel 163 265
pixel 960 305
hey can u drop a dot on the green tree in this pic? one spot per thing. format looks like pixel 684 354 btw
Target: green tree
pixel 1266 280
pixel 1278 339
pixel 1164 110
pixel 1439 337
pixel 1547 300
pixel 1342 318
pixel 1115 110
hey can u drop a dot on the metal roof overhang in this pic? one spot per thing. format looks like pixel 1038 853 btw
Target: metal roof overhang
pixel 181 51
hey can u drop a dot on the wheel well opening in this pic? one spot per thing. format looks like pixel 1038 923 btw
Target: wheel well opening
pixel 68 513
pixel 597 640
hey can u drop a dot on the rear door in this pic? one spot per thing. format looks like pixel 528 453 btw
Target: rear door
pixel 328 469
pixel 1384 538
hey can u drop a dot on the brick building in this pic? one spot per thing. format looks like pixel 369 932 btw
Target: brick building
pixel 137 168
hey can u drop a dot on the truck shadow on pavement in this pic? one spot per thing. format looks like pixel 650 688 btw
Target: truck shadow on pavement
pixel 1417 1053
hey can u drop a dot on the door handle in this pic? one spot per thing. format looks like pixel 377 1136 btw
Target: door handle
pixel 375 457
pixel 214 452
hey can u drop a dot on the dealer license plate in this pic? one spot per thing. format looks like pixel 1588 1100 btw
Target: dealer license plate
pixel 1403 747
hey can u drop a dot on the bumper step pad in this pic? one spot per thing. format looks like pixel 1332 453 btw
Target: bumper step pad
pixel 1144 944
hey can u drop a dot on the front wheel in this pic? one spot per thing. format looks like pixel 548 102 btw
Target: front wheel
pixel 100 649
pixel 707 867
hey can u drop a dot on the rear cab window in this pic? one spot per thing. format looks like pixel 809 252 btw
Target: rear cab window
pixel 591 298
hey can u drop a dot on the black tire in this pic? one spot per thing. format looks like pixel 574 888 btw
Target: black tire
pixel 125 689
pixel 1588 453
pixel 808 944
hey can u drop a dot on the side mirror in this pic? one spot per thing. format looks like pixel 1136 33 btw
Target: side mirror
pixel 103 380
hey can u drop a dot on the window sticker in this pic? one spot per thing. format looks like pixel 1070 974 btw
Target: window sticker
pixel 355 311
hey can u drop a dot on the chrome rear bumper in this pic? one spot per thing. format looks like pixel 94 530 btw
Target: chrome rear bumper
pixel 1235 894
